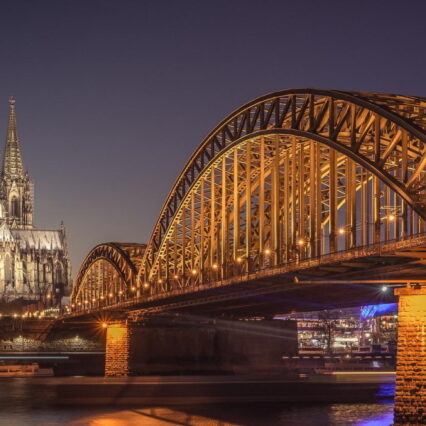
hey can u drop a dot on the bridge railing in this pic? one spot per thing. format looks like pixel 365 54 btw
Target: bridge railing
pixel 379 249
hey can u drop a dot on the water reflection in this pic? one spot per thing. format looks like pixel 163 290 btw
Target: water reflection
pixel 28 402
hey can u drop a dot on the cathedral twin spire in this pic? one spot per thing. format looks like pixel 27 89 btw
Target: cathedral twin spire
pixel 16 189
pixel 13 167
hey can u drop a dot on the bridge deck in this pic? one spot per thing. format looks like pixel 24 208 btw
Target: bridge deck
pixel 343 279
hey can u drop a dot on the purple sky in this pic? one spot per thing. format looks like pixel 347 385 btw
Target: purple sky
pixel 114 96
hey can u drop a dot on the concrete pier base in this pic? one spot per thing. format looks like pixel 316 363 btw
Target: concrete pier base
pixel 410 394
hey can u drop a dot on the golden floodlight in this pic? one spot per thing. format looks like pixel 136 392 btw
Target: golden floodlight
pixel 268 251
pixel 239 259
pixel 160 281
pixel 146 285
pixel 301 242
pixel 391 217
pixel 194 272
pixel 214 266
pixel 175 277
pixel 133 288
pixel 341 231
pixel 104 325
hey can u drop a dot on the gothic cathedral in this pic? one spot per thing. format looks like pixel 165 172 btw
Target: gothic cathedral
pixel 34 263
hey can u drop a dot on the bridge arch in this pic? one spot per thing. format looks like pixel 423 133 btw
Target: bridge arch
pixel 371 142
pixel 107 275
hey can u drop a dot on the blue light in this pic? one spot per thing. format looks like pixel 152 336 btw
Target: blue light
pixel 371 311
pixel 382 420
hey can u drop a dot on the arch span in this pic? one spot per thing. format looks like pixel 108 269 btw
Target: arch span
pixel 107 275
pixel 291 176
pixel 366 145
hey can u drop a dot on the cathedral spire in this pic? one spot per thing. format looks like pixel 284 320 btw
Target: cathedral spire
pixel 12 161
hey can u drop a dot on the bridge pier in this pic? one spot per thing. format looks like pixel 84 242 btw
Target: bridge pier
pixel 118 349
pixel 410 394
pixel 174 344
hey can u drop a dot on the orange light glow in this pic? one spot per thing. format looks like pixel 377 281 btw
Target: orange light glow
pixel 116 333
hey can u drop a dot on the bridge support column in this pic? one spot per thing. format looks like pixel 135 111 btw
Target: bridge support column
pixel 118 349
pixel 410 394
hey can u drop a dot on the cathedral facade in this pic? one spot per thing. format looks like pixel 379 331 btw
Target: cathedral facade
pixel 34 263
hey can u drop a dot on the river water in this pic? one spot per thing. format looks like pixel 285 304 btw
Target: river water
pixel 28 402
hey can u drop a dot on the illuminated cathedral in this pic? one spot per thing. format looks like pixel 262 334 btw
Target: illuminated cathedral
pixel 34 263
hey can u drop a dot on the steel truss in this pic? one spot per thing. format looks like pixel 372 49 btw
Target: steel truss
pixel 290 176
pixel 107 275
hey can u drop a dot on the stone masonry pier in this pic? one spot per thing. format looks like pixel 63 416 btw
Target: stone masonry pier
pixel 410 395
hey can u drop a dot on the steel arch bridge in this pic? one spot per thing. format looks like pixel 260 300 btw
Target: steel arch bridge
pixel 108 274
pixel 289 177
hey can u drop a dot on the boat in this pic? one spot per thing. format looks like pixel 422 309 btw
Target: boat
pixel 24 370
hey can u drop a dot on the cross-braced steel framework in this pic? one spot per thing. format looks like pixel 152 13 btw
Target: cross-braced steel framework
pixel 290 176
pixel 107 275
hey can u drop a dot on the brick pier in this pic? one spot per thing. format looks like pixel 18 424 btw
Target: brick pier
pixel 118 349
pixel 410 394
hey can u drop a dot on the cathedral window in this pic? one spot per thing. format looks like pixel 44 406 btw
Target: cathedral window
pixel 8 277
pixel 58 274
pixel 14 210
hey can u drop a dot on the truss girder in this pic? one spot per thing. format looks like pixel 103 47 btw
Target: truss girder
pixel 107 276
pixel 270 200
pixel 291 176
pixel 383 133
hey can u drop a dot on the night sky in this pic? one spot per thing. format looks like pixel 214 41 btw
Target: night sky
pixel 114 96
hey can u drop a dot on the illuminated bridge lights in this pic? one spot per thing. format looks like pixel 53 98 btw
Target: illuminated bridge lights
pixel 292 174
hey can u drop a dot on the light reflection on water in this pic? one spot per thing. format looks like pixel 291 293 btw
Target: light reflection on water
pixel 26 402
